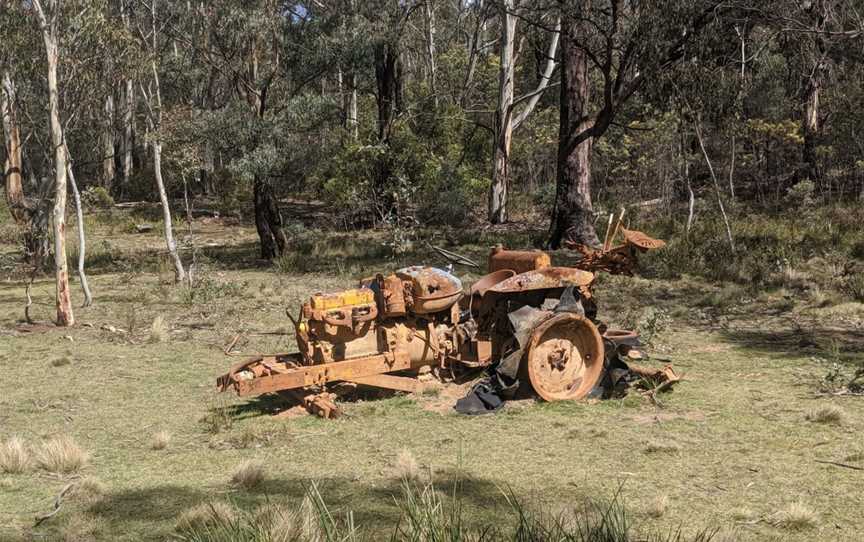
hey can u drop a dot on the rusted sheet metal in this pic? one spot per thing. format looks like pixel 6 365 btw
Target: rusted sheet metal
pixel 565 357
pixel 317 375
pixel 390 382
pixel 431 289
pixel 519 261
pixel 641 240
pixel 619 260
pixel 542 279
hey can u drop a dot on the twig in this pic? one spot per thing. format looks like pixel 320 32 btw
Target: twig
pixel 231 345
pixel 58 502
pixel 837 464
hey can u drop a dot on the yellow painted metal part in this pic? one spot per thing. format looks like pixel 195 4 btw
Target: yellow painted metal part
pixel 347 298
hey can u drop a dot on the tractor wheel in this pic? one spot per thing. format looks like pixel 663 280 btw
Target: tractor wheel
pixel 564 357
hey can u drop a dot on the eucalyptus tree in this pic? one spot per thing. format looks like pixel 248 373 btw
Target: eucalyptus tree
pixel 512 112
pixel 49 24
pixel 609 48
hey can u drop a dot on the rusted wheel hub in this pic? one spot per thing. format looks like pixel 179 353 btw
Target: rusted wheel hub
pixel 565 357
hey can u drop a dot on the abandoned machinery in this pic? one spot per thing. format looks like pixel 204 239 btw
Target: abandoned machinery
pixel 529 323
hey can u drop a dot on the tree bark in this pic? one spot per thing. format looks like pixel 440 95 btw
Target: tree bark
pixel 351 107
pixel 12 170
pixel 387 81
pixel 128 134
pixel 506 121
pixel 430 50
pixel 572 216
pixel 268 219
pixel 179 272
pixel 503 116
pixel 108 144
pixel 82 241
pixel 65 316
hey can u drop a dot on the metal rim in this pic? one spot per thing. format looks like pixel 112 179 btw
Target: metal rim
pixel 564 357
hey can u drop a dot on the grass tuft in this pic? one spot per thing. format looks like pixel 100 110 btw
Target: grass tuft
pixel 205 517
pixel 89 489
pixel 797 517
pixel 62 455
pixel 405 466
pixel 828 414
pixel 249 475
pixel 14 456
pixel 160 440
pixel 658 506
pixel 82 527
pixel 159 330
pixel 61 361
pixel 662 447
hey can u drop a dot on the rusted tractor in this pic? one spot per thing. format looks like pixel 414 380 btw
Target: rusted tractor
pixel 530 321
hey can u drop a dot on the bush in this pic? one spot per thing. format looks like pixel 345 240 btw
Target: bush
pixel 97 196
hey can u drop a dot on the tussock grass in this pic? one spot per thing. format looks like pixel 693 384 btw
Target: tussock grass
pixel 425 515
pixel 62 455
pixel 160 440
pixel 82 527
pixel 89 489
pixel 249 474
pixel 743 514
pixel 662 447
pixel 61 361
pixel 159 331
pixel 827 414
pixel 405 466
pixel 658 506
pixel 14 456
pixel 204 518
pixel 796 516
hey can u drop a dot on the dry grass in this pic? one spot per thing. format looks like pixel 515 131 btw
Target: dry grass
pixel 62 455
pixel 743 514
pixel 88 489
pixel 283 523
pixel 160 440
pixel 827 414
pixel 796 517
pixel 83 528
pixel 14 456
pixel 658 506
pixel 662 447
pixel 205 515
pixel 159 330
pixel 405 466
pixel 248 475
pixel 61 361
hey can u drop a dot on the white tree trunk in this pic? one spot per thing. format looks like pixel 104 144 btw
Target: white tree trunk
pixel 65 317
pixel 430 51
pixel 503 117
pixel 82 241
pixel 128 133
pixel 179 272
pixel 108 143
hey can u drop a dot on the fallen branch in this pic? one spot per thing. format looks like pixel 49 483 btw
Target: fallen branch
pixel 58 502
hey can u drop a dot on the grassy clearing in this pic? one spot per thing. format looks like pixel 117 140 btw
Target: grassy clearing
pixel 733 435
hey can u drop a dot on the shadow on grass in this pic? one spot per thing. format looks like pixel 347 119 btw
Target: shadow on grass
pixel 372 503
pixel 842 345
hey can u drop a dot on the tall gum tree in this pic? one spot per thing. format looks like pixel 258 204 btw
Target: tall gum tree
pixel 507 118
pixel 49 25
pixel 609 48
